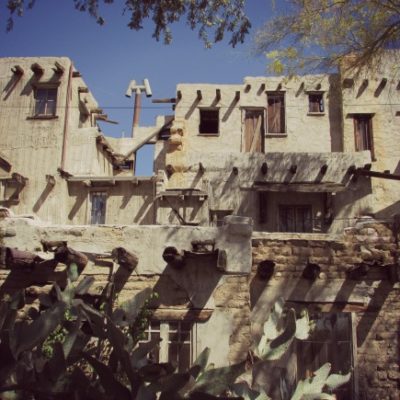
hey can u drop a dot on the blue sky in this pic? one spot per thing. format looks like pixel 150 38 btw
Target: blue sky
pixel 109 56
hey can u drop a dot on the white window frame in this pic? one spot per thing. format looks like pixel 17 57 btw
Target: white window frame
pixel 164 330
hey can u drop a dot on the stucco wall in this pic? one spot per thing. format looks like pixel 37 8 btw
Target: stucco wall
pixel 366 95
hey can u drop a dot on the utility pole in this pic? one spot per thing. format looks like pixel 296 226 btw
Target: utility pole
pixel 138 99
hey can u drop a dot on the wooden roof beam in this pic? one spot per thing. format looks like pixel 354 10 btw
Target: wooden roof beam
pixel 17 70
pixel 58 68
pixel 217 94
pixel 199 95
pixel 37 69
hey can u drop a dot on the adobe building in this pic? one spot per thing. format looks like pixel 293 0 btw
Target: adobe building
pixel 272 188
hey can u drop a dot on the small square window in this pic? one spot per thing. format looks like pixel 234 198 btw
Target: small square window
pixel 177 343
pixel 209 121
pixel 316 103
pixel 45 102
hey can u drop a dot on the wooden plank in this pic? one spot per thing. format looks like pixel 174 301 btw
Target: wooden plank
pixel 175 314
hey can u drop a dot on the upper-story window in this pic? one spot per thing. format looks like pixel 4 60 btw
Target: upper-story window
pixel 45 102
pixel 276 112
pixel 363 133
pixel 253 135
pixel 209 121
pixel 98 208
pixel 316 103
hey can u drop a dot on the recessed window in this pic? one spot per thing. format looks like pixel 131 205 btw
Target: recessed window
pixel 98 210
pixel 294 218
pixel 363 133
pixel 45 102
pixel 316 103
pixel 176 344
pixel 127 165
pixel 209 121
pixel 276 113
pixel 330 341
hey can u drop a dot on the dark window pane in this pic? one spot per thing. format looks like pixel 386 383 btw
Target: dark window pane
pixel 98 215
pixel 316 103
pixel 45 101
pixel 209 121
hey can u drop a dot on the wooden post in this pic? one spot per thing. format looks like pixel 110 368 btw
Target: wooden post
pixel 125 258
pixel 21 259
pixel 68 256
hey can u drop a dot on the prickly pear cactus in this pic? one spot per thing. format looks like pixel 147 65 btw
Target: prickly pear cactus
pixel 313 388
pixel 279 332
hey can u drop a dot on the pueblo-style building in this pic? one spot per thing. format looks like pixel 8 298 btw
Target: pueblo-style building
pixel 272 188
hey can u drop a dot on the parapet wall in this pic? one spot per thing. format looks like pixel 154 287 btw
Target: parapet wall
pixel 354 273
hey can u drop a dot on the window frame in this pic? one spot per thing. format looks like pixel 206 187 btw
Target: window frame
pixel 320 103
pixel 36 108
pixel 365 140
pixel 204 110
pixel 270 96
pixel 331 346
pixel 163 332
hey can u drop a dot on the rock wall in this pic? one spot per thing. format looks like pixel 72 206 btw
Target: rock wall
pixel 359 275
pixel 355 273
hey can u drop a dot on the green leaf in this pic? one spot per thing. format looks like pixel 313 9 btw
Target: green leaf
pixel 277 347
pixel 31 335
pixel 139 355
pixel 84 285
pixel 170 383
pixel 129 309
pixel 72 272
pixel 303 326
pixel 215 381
pixel 200 363
pixel 336 380
pixel 111 386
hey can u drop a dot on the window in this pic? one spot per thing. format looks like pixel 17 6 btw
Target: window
pixel 363 133
pixel 98 212
pixel 330 341
pixel 253 140
pixel 295 218
pixel 127 165
pixel 45 102
pixel 276 112
pixel 209 121
pixel 316 103
pixel 176 344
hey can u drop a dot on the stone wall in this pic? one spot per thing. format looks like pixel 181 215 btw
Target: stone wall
pixel 358 274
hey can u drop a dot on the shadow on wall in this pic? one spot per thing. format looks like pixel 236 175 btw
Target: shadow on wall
pixel 389 212
pixel 80 194
pixel 42 198
pixel 335 113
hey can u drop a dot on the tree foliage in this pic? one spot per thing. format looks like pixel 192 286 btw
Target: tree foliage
pixel 212 18
pixel 315 34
